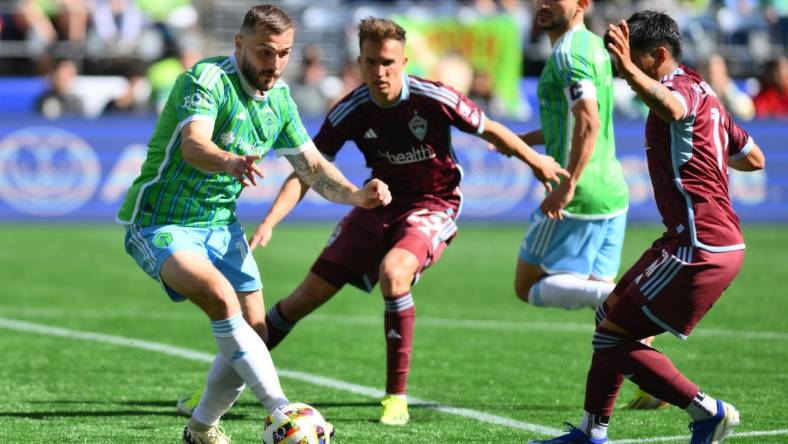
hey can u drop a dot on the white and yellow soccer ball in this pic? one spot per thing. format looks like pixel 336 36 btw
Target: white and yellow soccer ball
pixel 296 423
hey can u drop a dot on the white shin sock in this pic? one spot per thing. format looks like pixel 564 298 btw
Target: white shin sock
pixel 222 389
pixel 568 291
pixel 246 353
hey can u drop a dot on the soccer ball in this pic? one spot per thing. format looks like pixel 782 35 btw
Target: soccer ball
pixel 296 423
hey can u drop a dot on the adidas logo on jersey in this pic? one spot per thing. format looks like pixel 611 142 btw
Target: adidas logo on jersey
pixel 393 334
pixel 241 116
pixel 370 134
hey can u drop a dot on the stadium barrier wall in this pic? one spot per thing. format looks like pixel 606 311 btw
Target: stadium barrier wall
pixel 79 170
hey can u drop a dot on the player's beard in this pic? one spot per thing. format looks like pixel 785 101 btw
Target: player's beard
pixel 254 77
pixel 553 21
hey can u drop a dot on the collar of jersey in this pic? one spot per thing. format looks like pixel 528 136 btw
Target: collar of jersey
pixel 253 93
pixel 403 94
pixel 578 27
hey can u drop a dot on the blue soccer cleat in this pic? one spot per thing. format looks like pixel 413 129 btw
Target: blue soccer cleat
pixel 575 436
pixel 715 429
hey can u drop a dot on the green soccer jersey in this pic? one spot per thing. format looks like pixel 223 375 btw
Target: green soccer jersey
pixel 171 191
pixel 579 68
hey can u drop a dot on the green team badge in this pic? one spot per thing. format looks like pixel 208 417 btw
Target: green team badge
pixel 269 123
pixel 162 240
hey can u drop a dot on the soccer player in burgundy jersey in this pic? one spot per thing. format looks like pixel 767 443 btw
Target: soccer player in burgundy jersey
pixel 690 143
pixel 401 124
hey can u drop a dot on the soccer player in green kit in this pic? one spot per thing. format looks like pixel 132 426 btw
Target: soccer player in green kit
pixel 221 118
pixel 572 249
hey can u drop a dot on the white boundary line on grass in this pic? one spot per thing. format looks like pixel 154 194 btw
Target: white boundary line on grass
pixel 301 376
pixel 193 355
pixel 471 324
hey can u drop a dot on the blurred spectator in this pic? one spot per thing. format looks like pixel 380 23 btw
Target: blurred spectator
pixel 772 100
pixel 777 16
pixel 739 103
pixel 455 70
pixel 310 90
pixel 42 23
pixel 136 98
pixel 162 74
pixel 59 100
pixel 351 79
pixel 481 90
pixel 30 22
pixel 118 22
pixel 739 18
pixel 121 32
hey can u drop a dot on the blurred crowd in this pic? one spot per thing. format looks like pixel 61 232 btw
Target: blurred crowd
pixel 739 45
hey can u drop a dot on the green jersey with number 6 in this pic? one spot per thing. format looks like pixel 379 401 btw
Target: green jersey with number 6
pixel 170 190
pixel 579 68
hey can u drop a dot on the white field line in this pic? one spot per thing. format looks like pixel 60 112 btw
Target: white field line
pixel 301 376
pixel 364 320
pixel 334 384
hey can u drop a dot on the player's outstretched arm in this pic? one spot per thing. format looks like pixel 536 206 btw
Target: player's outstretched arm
pixel 584 134
pixel 654 94
pixel 753 161
pixel 545 168
pixel 199 151
pixel 328 181
pixel 292 191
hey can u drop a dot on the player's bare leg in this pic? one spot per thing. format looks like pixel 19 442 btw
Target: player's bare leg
pixel 243 357
pixel 534 286
pixel 310 294
pixel 526 275
pixel 397 271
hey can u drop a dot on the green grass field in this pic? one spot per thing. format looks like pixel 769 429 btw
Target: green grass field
pixel 477 347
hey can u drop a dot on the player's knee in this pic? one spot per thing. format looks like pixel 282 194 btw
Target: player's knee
pixel 395 280
pixel 522 289
pixel 604 341
pixel 219 302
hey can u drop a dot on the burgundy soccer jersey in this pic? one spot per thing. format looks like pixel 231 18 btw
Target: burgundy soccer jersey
pixel 407 145
pixel 688 164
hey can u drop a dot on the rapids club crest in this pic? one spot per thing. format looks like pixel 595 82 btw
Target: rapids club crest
pixel 418 127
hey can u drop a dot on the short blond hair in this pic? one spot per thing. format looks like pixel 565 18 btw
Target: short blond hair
pixel 378 30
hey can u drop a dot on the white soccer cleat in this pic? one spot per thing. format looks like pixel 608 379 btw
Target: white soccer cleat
pixel 214 435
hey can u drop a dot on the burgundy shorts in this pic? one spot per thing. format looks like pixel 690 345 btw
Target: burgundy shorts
pixel 671 287
pixel 361 240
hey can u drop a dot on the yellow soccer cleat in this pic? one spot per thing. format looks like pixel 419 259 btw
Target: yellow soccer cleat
pixel 644 401
pixel 395 410
pixel 187 404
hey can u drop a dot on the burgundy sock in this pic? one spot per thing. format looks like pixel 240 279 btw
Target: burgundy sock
pixel 399 320
pixel 602 386
pixel 649 369
pixel 277 325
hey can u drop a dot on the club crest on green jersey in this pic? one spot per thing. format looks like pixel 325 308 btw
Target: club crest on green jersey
pixel 269 123
pixel 162 240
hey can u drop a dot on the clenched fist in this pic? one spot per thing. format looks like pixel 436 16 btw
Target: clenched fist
pixel 374 193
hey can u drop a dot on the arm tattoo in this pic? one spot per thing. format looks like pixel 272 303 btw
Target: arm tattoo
pixel 658 93
pixel 327 181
